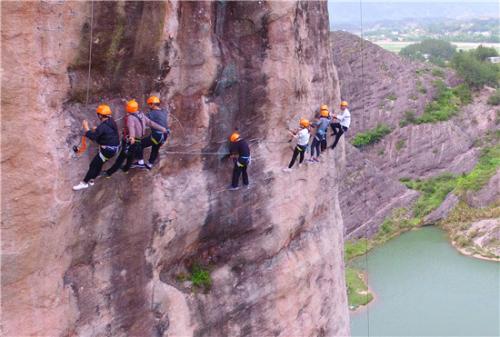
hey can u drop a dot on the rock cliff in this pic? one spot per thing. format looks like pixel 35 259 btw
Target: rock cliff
pixel 381 87
pixel 111 260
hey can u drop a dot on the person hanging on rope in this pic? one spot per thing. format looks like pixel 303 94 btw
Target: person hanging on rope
pixel 157 137
pixel 341 123
pixel 106 135
pixel 133 134
pixel 302 136
pixel 240 152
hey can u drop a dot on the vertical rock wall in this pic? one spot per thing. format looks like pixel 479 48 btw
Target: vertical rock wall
pixel 108 261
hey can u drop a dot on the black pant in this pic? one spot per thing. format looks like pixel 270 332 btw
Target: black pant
pixel 156 140
pixel 323 143
pixel 96 164
pixel 299 149
pixel 315 146
pixel 240 168
pixel 128 152
pixel 338 131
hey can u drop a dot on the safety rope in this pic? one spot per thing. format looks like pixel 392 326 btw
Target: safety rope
pixel 82 147
pixel 90 51
pixel 363 110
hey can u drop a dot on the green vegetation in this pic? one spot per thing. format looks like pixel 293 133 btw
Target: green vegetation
pixel 457 224
pixel 200 277
pixel 436 51
pixel 494 99
pixel 482 172
pixel 482 53
pixel 357 290
pixel 444 106
pixel 372 136
pixel 473 68
pixel 434 190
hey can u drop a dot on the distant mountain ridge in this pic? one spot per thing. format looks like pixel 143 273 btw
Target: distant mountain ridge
pixel 342 13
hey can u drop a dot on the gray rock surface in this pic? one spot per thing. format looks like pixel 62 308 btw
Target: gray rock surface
pixel 107 261
pixel 487 195
pixel 443 210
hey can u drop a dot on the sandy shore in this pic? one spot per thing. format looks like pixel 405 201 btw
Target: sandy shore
pixel 464 251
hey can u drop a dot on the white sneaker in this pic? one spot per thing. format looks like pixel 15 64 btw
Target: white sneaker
pixel 148 165
pixel 82 185
pixel 287 170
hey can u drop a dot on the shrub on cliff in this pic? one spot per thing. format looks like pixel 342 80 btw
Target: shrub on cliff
pixel 372 136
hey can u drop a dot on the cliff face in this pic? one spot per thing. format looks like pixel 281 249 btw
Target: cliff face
pixel 388 86
pixel 109 261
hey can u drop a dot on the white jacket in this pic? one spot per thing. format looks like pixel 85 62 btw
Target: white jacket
pixel 303 137
pixel 344 118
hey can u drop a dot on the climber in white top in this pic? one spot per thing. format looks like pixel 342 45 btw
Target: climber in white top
pixel 341 122
pixel 302 136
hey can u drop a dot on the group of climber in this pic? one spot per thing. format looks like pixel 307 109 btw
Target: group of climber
pixel 134 139
pixel 339 124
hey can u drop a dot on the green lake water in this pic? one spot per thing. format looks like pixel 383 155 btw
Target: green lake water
pixel 424 287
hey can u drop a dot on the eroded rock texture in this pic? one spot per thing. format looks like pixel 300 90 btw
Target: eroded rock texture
pixel 381 87
pixel 106 262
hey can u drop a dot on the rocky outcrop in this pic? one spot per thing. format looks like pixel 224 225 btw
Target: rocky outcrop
pixel 425 150
pixel 380 87
pixel 487 195
pixel 368 196
pixel 108 261
pixel 440 213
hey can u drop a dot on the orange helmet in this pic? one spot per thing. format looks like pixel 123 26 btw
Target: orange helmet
pixel 104 110
pixel 304 122
pixel 234 137
pixel 132 106
pixel 153 100
pixel 344 103
pixel 324 113
pixel 324 107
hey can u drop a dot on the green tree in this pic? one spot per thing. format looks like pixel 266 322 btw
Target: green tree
pixel 475 72
pixel 482 53
pixel 438 51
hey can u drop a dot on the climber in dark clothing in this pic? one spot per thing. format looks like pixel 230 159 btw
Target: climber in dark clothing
pixel 157 137
pixel 240 152
pixel 106 135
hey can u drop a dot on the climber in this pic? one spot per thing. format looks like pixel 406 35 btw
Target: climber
pixel 319 138
pixel 240 152
pixel 341 123
pixel 157 137
pixel 106 135
pixel 133 133
pixel 302 136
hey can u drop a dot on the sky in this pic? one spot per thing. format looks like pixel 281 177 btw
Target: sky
pixel 348 11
